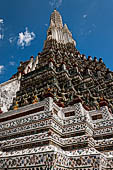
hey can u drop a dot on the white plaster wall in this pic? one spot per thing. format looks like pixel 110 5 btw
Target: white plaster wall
pixel 7 93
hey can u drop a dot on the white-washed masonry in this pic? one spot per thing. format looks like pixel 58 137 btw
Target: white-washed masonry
pixel 7 93
pixel 39 156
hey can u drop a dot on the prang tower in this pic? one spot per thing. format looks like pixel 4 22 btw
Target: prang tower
pixel 56 111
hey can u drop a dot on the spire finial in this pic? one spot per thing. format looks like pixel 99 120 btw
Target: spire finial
pixel 57 32
pixel 56 19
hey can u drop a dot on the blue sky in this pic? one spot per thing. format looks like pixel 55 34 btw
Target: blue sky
pixel 23 26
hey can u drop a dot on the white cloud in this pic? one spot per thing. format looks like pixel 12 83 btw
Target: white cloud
pixel 1 29
pixel 90 31
pixel 46 25
pixel 12 63
pixel 1 69
pixel 12 56
pixel 25 38
pixel 12 39
pixel 1 36
pixel 1 21
pixel 86 31
pixel 93 25
pixel 85 16
pixel 55 3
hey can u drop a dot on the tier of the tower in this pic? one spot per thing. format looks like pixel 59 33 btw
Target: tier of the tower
pixel 29 135
pixel 66 75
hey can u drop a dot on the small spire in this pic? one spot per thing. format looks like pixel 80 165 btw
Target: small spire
pixel 65 27
pixel 100 60
pixel 95 59
pixel 89 58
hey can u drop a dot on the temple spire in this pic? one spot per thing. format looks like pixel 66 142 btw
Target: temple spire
pixel 56 19
pixel 57 31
